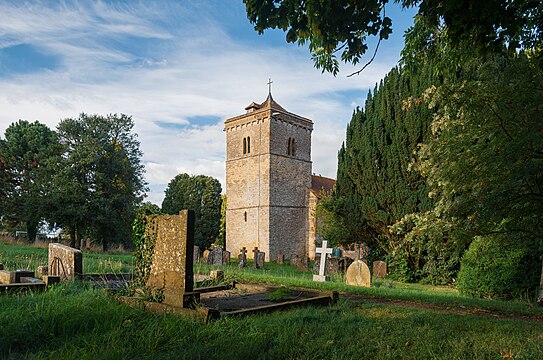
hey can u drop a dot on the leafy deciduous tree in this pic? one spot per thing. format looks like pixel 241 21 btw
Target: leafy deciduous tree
pixel 201 194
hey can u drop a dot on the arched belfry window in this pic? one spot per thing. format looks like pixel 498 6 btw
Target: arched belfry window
pixel 245 145
pixel 248 145
pixel 291 147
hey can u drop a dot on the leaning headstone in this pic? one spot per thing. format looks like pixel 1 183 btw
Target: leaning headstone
pixel 196 254
pixel 259 261
pixel 242 258
pixel 280 259
pixel 303 263
pixel 358 274
pixel 217 256
pixel 323 251
pixel 379 269
pixel 172 266
pixel 226 257
pixel 64 261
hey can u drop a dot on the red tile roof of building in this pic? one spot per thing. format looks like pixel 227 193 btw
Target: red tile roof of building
pixel 321 183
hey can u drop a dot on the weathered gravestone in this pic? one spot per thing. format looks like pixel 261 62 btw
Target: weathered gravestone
pixel 226 257
pixel 64 261
pixel 280 259
pixel 171 272
pixel 205 255
pixel 196 254
pixel 216 256
pixel 14 277
pixel 303 263
pixel 323 251
pixel 380 269
pixel 294 260
pixel 43 271
pixel 242 258
pixel 358 274
pixel 260 257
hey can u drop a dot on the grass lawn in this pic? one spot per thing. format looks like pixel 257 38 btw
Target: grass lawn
pixel 75 321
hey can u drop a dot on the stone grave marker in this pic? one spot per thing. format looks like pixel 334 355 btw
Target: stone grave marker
pixel 334 265
pixel 226 257
pixel 303 263
pixel 358 274
pixel 216 256
pixel 380 269
pixel 196 254
pixel 294 260
pixel 43 270
pixel 14 277
pixel 323 251
pixel 242 258
pixel 64 261
pixel 260 257
pixel 171 269
pixel 217 275
pixel 205 255
pixel 280 259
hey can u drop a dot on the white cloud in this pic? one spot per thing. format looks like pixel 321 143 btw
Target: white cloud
pixel 196 69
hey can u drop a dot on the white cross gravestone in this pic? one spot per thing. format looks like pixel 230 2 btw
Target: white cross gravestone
pixel 324 251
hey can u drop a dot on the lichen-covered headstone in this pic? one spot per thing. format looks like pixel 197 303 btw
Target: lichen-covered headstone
pixel 216 255
pixel 358 274
pixel 303 263
pixel 259 261
pixel 226 257
pixel 280 259
pixel 294 260
pixel 379 269
pixel 171 271
pixel 64 261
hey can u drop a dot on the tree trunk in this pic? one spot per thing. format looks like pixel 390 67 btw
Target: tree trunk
pixel 72 237
pixel 31 231
pixel 540 297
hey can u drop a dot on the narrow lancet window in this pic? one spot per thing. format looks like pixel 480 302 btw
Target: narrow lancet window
pixel 248 145
pixel 244 146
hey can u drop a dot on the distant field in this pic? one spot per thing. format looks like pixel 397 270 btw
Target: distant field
pixel 17 256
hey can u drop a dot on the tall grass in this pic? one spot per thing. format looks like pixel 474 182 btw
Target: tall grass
pixel 74 321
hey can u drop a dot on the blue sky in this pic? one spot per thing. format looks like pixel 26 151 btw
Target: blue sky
pixel 180 68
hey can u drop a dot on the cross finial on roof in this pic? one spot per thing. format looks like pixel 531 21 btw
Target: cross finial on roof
pixel 269 85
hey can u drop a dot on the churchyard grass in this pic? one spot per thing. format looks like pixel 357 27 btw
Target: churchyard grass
pixel 76 321
pixel 18 256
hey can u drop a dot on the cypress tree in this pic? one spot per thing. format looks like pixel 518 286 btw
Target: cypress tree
pixel 375 187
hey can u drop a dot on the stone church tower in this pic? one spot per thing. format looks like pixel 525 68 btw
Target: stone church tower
pixel 268 178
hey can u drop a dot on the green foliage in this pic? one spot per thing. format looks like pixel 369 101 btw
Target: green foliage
pixel 144 237
pixel 201 194
pixel 375 187
pixel 221 238
pixel 330 225
pixel 282 293
pixel 500 267
pixel 27 155
pixel 486 132
pixel 341 29
pixel 100 181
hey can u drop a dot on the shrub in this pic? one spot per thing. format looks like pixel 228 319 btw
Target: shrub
pixel 500 267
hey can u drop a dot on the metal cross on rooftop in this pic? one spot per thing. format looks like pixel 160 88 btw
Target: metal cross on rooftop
pixel 269 85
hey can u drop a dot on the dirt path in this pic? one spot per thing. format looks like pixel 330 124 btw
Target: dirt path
pixel 460 310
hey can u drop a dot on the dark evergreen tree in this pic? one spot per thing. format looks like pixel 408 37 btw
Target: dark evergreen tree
pixel 201 194
pixel 375 187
